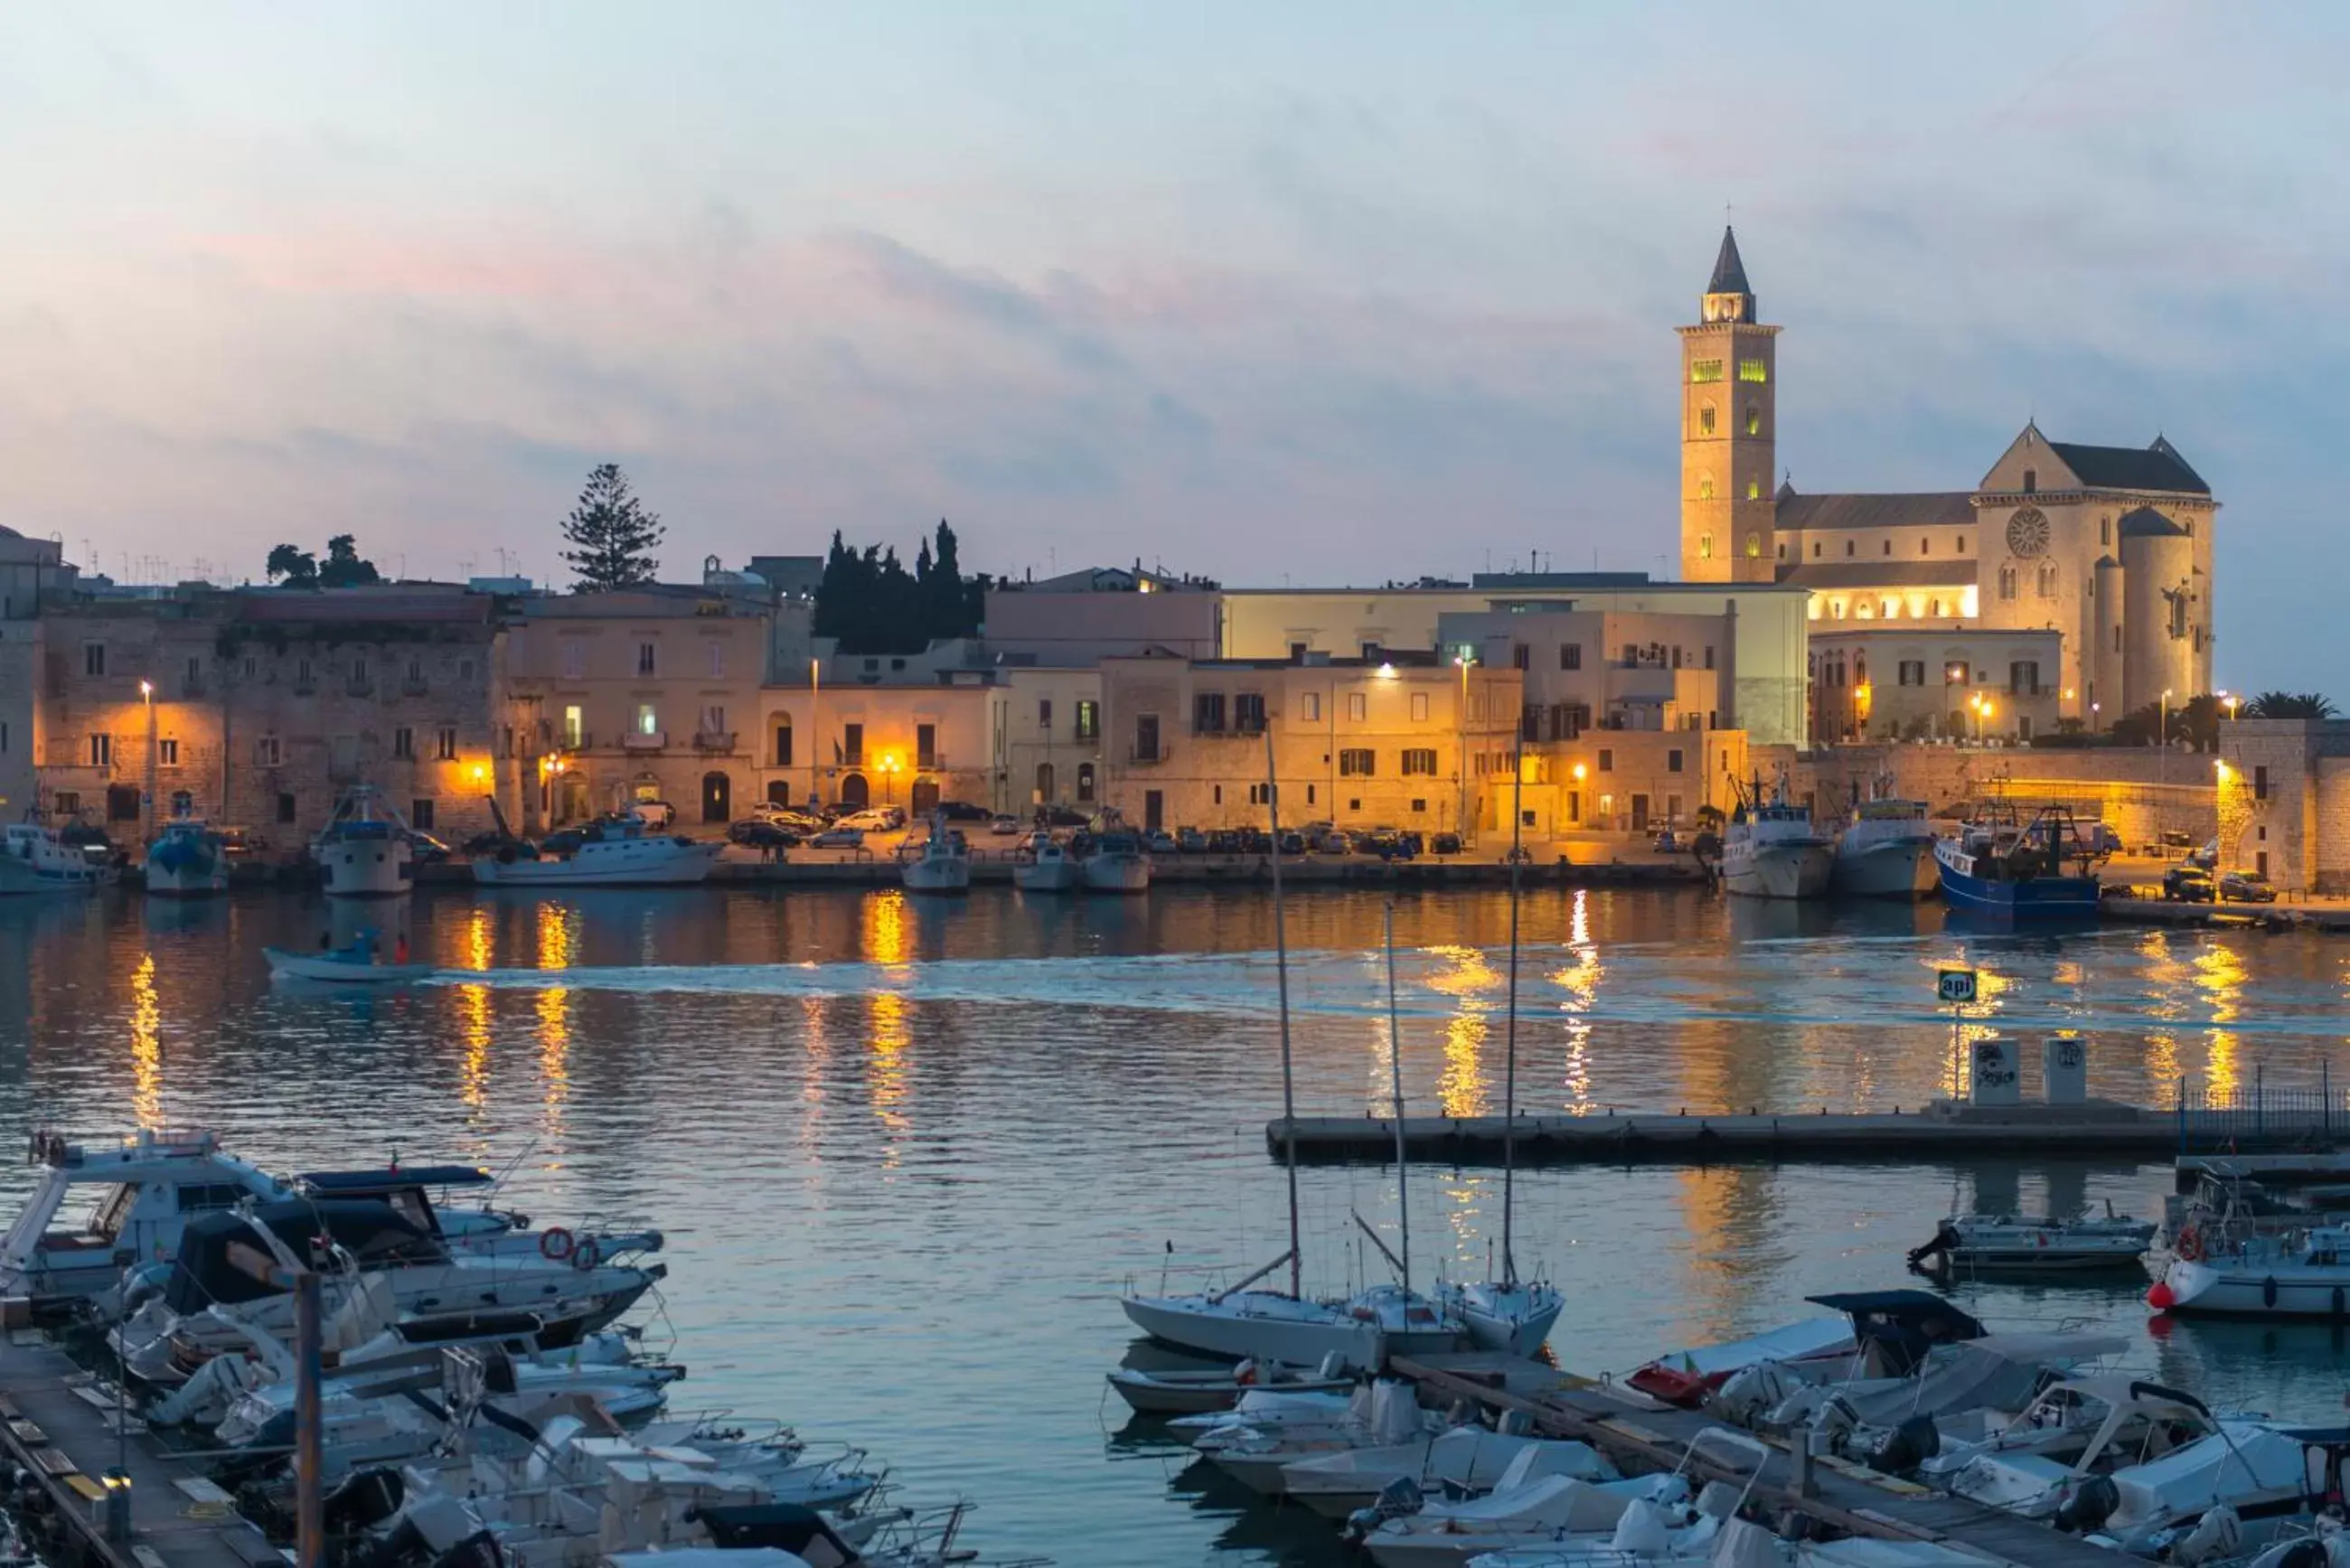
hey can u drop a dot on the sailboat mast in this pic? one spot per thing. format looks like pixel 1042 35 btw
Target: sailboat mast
pixel 1281 978
pixel 1510 1058
pixel 1395 1068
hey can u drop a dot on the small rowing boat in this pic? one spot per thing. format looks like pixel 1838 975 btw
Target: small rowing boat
pixel 343 968
pixel 1198 1393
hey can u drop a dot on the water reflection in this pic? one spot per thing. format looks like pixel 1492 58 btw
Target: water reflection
pixel 145 1045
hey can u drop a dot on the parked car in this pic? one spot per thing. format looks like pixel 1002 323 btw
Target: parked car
pixel 1162 842
pixel 1062 816
pixel 1444 844
pixel 2187 884
pixel 963 811
pixel 762 833
pixel 841 836
pixel 878 819
pixel 2246 887
pixel 656 814
pixel 1004 827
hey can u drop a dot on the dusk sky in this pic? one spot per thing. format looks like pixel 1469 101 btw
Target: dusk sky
pixel 1315 292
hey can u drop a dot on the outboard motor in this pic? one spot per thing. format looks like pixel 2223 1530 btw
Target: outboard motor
pixel 2089 1508
pixel 1915 1441
pixel 479 1550
pixel 1946 1236
pixel 364 1501
pixel 1397 1498
pixel 2218 1534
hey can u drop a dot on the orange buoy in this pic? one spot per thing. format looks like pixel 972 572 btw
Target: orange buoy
pixel 2161 1298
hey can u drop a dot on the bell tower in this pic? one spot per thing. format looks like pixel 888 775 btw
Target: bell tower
pixel 1730 376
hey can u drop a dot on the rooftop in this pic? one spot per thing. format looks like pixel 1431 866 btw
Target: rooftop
pixel 1920 509
pixel 2158 467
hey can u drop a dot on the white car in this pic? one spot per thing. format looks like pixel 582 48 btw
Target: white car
pixel 843 836
pixel 876 820
pixel 656 814
pixel 1005 826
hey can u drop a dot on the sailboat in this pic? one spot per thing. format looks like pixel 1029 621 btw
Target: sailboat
pixel 1509 1313
pixel 1238 1322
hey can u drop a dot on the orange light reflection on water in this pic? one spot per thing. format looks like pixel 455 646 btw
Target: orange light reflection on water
pixel 888 943
pixel 1466 976
pixel 145 1045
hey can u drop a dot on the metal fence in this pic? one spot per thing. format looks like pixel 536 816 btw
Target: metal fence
pixel 2212 1120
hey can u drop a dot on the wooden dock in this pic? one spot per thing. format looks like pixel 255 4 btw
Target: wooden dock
pixel 57 1422
pixel 1628 1428
pixel 2098 1129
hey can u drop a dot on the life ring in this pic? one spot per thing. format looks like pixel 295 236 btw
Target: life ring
pixel 556 1244
pixel 2190 1245
pixel 587 1254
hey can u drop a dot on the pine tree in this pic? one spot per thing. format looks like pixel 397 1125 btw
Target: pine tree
pixel 613 535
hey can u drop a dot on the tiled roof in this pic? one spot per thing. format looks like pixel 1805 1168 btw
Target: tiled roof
pixel 2146 521
pixel 1931 509
pixel 2157 467
pixel 1729 272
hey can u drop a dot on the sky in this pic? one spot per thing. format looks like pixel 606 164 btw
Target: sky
pixel 1330 291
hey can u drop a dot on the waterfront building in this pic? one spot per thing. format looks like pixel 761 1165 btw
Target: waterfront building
pixel 1047 728
pixel 2284 802
pixel 907 728
pixel 1400 739
pixel 34 577
pixel 644 694
pixel 258 707
pixel 1890 680
pixel 2109 547
pixel 1078 619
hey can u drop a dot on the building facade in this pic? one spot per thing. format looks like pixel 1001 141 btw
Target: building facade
pixel 2284 802
pixel 34 577
pixel 2109 547
pixel 910 741
pixel 1889 681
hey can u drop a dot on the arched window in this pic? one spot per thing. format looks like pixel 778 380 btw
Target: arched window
pixel 1085 782
pixel 1753 420
pixel 1755 546
pixel 1705 546
pixel 1753 490
pixel 2007 582
pixel 1866 610
pixel 2031 482
pixel 779 792
pixel 183 802
pixel 783 739
pixel 1705 487
pixel 1705 420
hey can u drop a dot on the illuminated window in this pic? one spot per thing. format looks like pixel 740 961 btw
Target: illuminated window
pixel 445 743
pixel 1893 609
pixel 167 755
pixel 1705 546
pixel 1752 370
pixel 1753 420
pixel 1866 610
pixel 572 726
pixel 1705 420
pixel 647 724
pixel 1705 488
pixel 1705 370
pixel 1755 546
pixel 1358 707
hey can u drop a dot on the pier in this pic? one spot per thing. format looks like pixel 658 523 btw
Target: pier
pixel 1647 1436
pixel 57 1423
pixel 1939 1131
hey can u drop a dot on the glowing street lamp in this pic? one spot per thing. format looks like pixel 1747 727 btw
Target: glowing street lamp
pixel 889 767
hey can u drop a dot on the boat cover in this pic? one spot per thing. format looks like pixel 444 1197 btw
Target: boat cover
pixel 2000 1372
pixel 373 1235
pixel 1895 1329
pixel 2242 1462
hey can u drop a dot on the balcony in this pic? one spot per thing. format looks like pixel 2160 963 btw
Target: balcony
pixel 415 686
pixel 713 740
pixel 361 685
pixel 1148 757
pixel 929 762
pixel 638 741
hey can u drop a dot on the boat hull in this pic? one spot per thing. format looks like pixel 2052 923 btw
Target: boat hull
pixel 338 972
pixel 1257 1325
pixel 1516 1319
pixel 2036 898
pixel 2234 1288
pixel 1200 1393
pixel 628 863
pixel 942 876
pixel 1779 871
pixel 1117 873
pixel 365 868
pixel 1894 870
pixel 1047 877
pixel 162 884
pixel 17 877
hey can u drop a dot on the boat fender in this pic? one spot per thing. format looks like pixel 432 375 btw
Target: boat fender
pixel 1244 1374
pixel 2268 1292
pixel 556 1244
pixel 2190 1245
pixel 588 1254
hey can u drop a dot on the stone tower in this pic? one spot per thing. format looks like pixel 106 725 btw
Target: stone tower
pixel 1729 432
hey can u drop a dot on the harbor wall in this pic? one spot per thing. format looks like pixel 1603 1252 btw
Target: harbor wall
pixel 2141 794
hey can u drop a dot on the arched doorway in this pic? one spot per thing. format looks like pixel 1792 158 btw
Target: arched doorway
pixel 779 793
pixel 854 793
pixel 924 799
pixel 782 757
pixel 1044 783
pixel 717 797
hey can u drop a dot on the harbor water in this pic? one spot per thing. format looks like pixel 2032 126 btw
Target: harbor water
pixel 908 1153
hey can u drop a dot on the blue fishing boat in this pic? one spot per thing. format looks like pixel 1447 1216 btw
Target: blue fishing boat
pixel 2040 870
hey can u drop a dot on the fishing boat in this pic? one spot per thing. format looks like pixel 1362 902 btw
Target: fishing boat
pixel 1771 850
pixel 186 861
pixel 2010 1243
pixel 943 864
pixel 1508 1314
pixel 624 851
pixel 132 1198
pixel 353 965
pixel 1887 851
pixel 35 859
pixel 363 852
pixel 2020 871
pixel 1049 867
pixel 1119 862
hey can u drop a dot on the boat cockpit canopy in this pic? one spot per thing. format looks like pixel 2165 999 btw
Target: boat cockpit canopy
pixel 321 1234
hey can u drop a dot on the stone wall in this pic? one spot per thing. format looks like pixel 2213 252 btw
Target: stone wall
pixel 2141 794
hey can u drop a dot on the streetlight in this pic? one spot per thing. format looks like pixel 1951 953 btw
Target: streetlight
pixel 2162 723
pixel 147 695
pixel 1578 793
pixel 1463 660
pixel 2231 702
pixel 889 767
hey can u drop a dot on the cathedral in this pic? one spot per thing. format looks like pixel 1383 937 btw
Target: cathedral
pixel 2108 547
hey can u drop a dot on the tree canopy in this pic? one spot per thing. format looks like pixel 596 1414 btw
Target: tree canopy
pixel 343 568
pixel 873 604
pixel 2195 721
pixel 612 535
pixel 2291 705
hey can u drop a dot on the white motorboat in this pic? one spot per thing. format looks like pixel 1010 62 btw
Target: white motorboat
pixel 1687 1377
pixel 1048 869
pixel 186 861
pixel 363 852
pixel 1880 1333
pixel 2008 1243
pixel 208 1303
pixel 1189 1393
pixel 1382 1414
pixel 2075 1428
pixel 2302 1274
pixel 1465 1459
pixel 143 1190
pixel 1118 863
pixel 943 864
pixel 1654 1528
pixel 1887 851
pixel 1771 850
pixel 617 852
pixel 2257 1470
pixel 1522 1511
pixel 34 859
pixel 344 966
